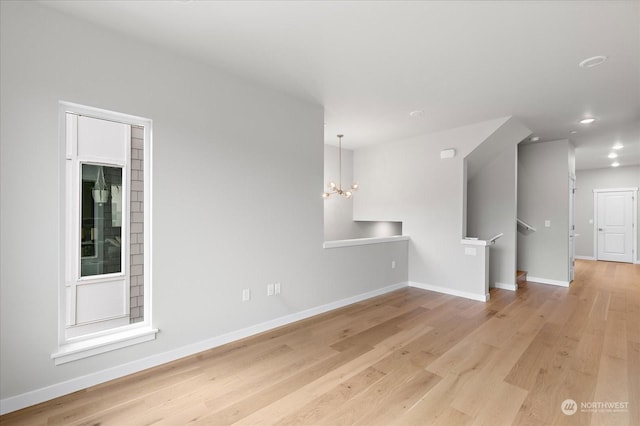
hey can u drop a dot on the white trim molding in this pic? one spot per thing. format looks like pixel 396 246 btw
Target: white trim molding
pixel 86 348
pixel 451 291
pixel 585 257
pixel 632 189
pixel 507 286
pixel 548 281
pixel 27 399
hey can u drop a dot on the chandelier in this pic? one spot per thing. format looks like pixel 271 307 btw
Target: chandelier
pixel 337 189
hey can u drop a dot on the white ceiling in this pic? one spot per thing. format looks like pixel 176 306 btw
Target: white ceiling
pixel 371 63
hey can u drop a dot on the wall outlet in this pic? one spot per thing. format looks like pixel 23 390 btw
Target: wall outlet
pixel 277 288
pixel 547 223
pixel 270 290
pixel 393 264
pixel 246 295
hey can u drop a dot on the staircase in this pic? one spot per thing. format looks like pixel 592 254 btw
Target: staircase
pixel 521 277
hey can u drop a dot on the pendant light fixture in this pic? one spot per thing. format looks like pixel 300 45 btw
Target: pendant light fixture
pixel 337 189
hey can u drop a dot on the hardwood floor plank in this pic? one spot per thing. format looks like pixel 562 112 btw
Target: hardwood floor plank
pixel 389 397
pixel 131 395
pixel 234 389
pixel 326 383
pixel 316 410
pixel 538 354
pixel 451 416
pixel 464 358
pixel 500 406
pixel 633 380
pixel 611 386
pixel 257 400
pixel 434 405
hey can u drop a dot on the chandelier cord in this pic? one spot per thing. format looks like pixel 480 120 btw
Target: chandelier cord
pixel 340 162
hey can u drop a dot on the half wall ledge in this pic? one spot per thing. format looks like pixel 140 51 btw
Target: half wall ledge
pixel 363 241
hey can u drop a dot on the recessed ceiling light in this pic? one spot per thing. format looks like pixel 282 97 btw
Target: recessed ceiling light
pixel 587 120
pixel 417 113
pixel 612 155
pixel 535 138
pixel 593 61
pixel 615 164
pixel 573 132
pixel 618 146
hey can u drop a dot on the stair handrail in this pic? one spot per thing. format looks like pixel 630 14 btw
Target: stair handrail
pixel 525 225
pixel 493 239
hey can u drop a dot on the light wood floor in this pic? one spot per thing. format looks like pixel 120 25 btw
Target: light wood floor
pixel 409 357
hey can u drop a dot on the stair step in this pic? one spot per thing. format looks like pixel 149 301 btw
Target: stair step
pixel 521 277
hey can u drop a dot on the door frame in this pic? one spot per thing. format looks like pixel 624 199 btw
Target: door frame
pixel 634 217
pixel 572 226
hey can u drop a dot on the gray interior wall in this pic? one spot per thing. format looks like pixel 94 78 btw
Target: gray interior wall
pixel 491 209
pixel 572 160
pixel 236 201
pixel 543 194
pixel 378 229
pixel 407 181
pixel 338 211
pixel 586 182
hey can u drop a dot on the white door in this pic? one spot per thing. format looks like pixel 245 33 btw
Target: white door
pixel 615 226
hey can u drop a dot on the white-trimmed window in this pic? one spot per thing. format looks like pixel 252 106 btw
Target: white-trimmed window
pixel 105 282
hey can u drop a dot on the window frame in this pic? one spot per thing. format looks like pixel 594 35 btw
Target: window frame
pixel 125 225
pixel 78 347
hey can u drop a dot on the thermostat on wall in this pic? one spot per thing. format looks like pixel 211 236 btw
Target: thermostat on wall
pixel 447 153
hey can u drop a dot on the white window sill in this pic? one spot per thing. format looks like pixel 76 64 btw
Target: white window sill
pixel 363 241
pixel 98 345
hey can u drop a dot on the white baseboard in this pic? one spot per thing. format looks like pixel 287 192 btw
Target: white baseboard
pixel 637 261
pixel 37 396
pixel 585 257
pixel 451 291
pixel 507 286
pixel 548 281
